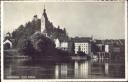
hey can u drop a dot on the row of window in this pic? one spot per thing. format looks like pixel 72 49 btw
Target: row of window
pixel 81 47
pixel 81 43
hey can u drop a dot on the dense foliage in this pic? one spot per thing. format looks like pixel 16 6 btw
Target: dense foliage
pixel 41 43
pixel 41 47
pixel 23 32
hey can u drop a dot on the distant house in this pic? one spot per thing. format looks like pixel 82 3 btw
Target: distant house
pixel 106 48
pixel 61 44
pixel 100 46
pixel 57 42
pixel 116 45
pixel 7 41
pixel 64 45
pixel 7 44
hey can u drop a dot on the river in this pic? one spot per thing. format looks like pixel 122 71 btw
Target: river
pixel 91 69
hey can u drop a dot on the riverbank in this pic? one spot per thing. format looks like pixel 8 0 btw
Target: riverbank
pixel 15 54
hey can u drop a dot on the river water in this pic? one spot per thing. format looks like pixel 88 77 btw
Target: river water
pixel 91 69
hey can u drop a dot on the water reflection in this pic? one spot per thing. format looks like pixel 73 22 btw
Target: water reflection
pixel 81 69
pixel 64 70
pixel 106 68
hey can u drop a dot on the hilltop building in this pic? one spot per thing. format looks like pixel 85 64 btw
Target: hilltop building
pixel 57 34
pixel 49 30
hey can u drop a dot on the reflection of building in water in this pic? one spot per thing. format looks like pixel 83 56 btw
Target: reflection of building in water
pixel 84 69
pixel 81 69
pixel 57 71
pixel 106 68
pixel 72 70
pixel 99 68
pixel 76 69
pixel 63 70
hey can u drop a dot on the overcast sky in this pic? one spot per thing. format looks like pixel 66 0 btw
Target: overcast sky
pixel 103 20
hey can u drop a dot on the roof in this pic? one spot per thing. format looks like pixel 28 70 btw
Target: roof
pixel 81 39
pixel 111 42
pixel 99 42
pixel 63 39
pixel 7 41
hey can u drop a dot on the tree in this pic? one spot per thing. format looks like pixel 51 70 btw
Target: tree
pixel 41 43
pixel 28 48
pixel 94 47
pixel 79 49
pixel 73 48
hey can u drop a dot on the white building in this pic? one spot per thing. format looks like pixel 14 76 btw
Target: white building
pixel 107 48
pixel 57 42
pixel 82 44
pixel 7 44
pixel 84 47
pixel 64 45
pixel 61 44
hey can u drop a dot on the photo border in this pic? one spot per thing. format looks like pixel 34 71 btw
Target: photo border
pixel 54 80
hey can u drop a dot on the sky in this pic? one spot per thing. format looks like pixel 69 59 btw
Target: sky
pixel 102 20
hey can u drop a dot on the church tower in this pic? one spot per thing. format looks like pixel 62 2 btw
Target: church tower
pixel 43 21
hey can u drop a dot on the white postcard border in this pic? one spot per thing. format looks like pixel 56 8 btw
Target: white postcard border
pixel 58 80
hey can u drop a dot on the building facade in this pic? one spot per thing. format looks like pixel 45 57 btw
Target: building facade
pixel 63 45
pixel 82 46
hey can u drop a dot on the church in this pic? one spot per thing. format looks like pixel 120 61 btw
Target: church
pixel 57 34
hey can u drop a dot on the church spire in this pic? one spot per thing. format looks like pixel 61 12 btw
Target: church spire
pixel 44 20
pixel 44 13
pixel 44 8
